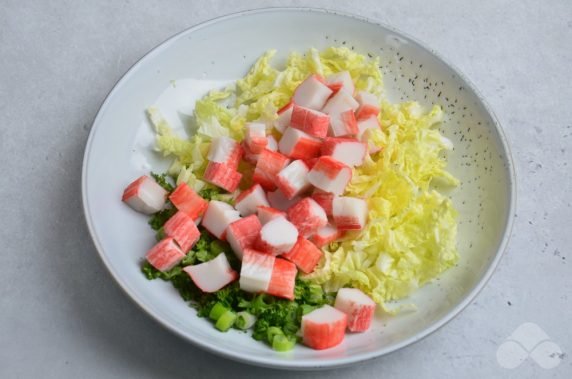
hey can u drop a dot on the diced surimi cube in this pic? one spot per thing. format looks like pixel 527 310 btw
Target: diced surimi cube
pixel 283 119
pixel 277 236
pixel 222 176
pixel 251 157
pixel 279 201
pixel 346 150
pixel 185 199
pixel 364 125
pixel 325 235
pixel 349 213
pixel 324 327
pixel 312 93
pixel 248 200
pixel 256 271
pixel 305 255
pixel 266 214
pixel 213 275
pixel 307 216
pixel 343 124
pixel 225 150
pixel 269 164
pixel 324 199
pixel 242 234
pixel 368 105
pixel 218 217
pixel 310 121
pixel 342 101
pixel 299 145
pixel 145 195
pixel 165 255
pixel 292 180
pixel 255 136
pixel 183 229
pixel 330 175
pixel 283 279
pixel 310 162
pixel 341 79
pixel 357 306
pixel 272 144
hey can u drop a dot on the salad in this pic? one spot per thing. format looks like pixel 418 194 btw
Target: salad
pixel 303 201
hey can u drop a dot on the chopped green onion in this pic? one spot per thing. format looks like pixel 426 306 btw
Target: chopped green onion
pixel 244 320
pixel 283 343
pixel 217 311
pixel 225 321
pixel 272 332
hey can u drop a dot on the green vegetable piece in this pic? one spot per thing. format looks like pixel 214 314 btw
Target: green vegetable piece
pixel 225 321
pixel 272 332
pixel 162 181
pixel 217 311
pixel 244 320
pixel 283 343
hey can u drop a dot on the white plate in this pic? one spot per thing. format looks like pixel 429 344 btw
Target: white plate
pixel 220 51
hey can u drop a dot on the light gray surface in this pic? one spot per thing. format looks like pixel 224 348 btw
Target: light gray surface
pixel 62 316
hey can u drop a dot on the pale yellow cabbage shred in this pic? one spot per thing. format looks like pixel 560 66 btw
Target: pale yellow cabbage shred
pixel 410 237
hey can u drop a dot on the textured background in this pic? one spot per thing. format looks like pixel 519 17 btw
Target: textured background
pixel 61 314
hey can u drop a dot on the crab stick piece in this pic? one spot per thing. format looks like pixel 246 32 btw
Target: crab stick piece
pixel 255 136
pixel 324 327
pixel 307 216
pixel 165 255
pixel 312 93
pixel 368 105
pixel 366 124
pixel 283 279
pixel 299 145
pixel 277 236
pixel 292 180
pixel 310 162
pixel 310 121
pixel 145 195
pixel 305 255
pixel 213 275
pixel 284 115
pixel 346 150
pixel 349 213
pixel 256 271
pixel 359 308
pixel 183 229
pixel 241 234
pixel 278 200
pixel 343 124
pixel 330 175
pixel 185 199
pixel 218 217
pixel 324 199
pixel 225 150
pixel 342 101
pixel 222 176
pixel 325 235
pixel 251 157
pixel 341 80
pixel 269 164
pixel 266 214
pixel 249 200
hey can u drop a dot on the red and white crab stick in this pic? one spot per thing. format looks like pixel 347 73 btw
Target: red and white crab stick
pixel 359 308
pixel 165 255
pixel 349 213
pixel 307 216
pixel 241 234
pixel 218 217
pixel 145 195
pixel 185 199
pixel 293 179
pixel 312 93
pixel 330 175
pixel 225 150
pixel 299 145
pixel 324 327
pixel 276 237
pixel 213 275
pixel 249 200
pixel 346 150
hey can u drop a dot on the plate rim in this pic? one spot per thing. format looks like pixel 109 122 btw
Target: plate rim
pixel 289 364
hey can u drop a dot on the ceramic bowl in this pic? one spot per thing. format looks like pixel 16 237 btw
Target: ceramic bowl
pixel 212 54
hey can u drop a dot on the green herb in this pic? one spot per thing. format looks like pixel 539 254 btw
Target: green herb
pixel 162 180
pixel 159 219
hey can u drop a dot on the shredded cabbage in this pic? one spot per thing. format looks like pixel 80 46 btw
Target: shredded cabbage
pixel 410 237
